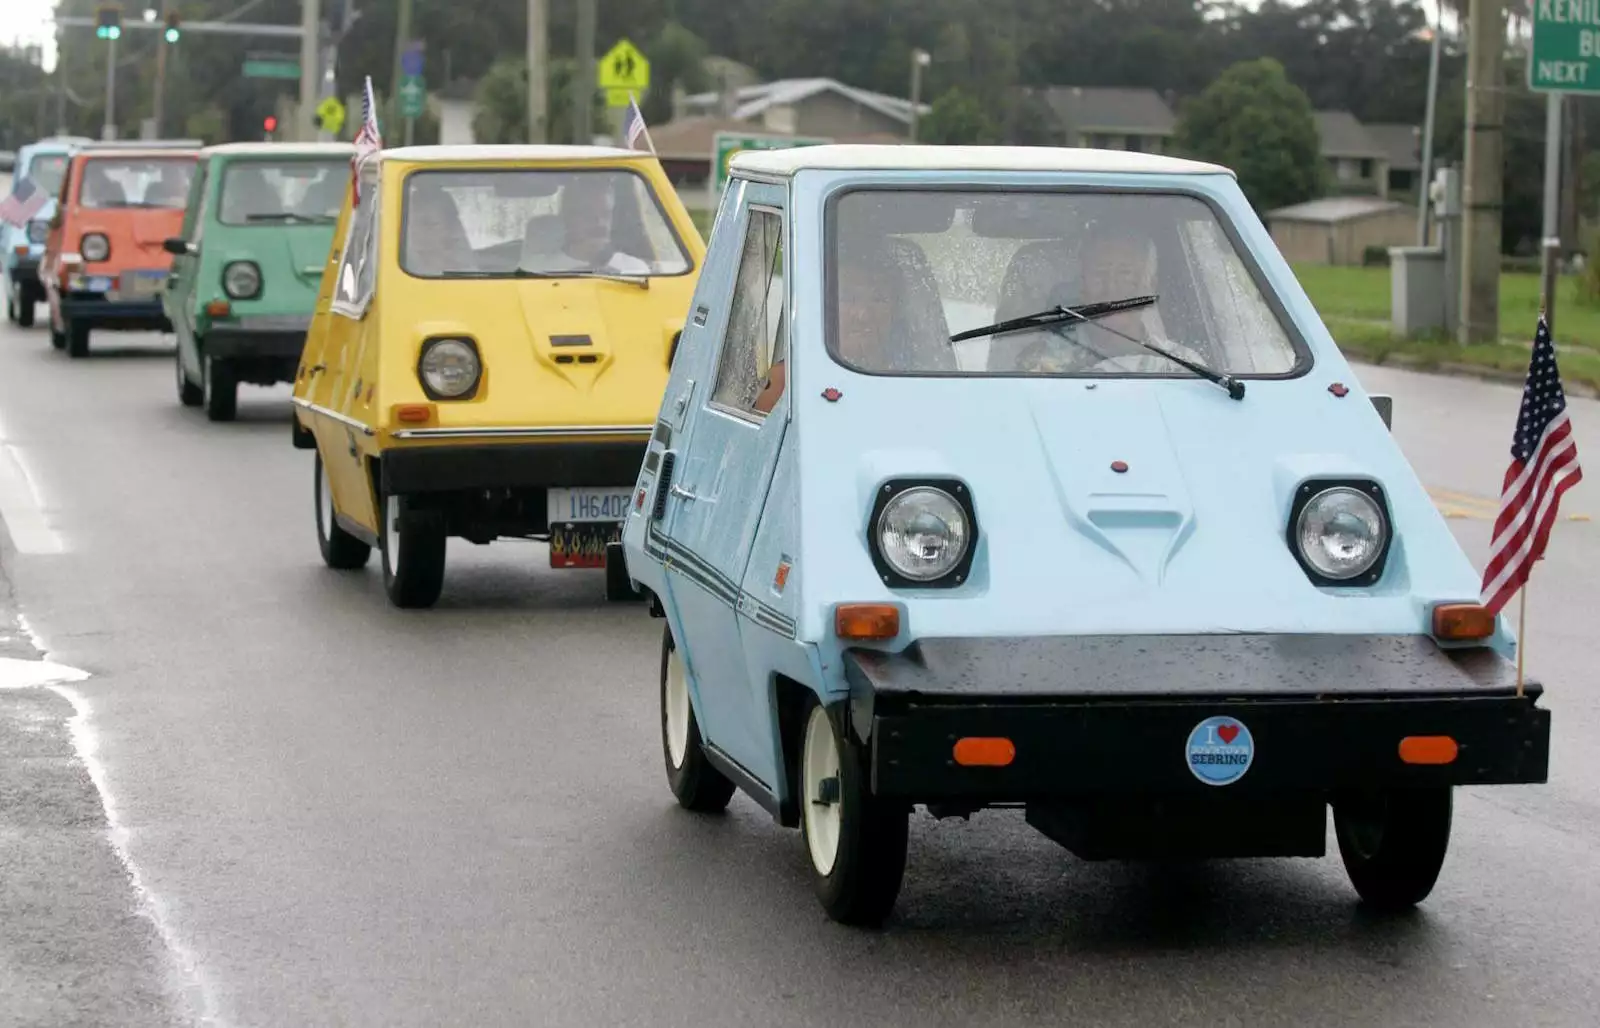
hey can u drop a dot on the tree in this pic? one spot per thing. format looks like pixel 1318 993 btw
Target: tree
pixel 502 100
pixel 676 57
pixel 1254 120
pixel 957 117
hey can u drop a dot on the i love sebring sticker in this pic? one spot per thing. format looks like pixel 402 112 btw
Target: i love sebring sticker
pixel 1220 750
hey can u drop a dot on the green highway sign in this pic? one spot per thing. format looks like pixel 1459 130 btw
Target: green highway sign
pixel 725 144
pixel 1566 46
pixel 413 96
pixel 271 68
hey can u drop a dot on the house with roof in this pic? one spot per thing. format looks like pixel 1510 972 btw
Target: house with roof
pixel 1356 164
pixel 1341 229
pixel 1108 118
pixel 1402 149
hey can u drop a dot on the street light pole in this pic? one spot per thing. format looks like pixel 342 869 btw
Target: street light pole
pixel 310 25
pixel 919 60
pixel 583 76
pixel 108 128
pixel 538 71
pixel 161 76
pixel 1424 208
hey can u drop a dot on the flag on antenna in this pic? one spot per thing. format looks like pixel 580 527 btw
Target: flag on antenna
pixel 24 201
pixel 368 140
pixel 633 126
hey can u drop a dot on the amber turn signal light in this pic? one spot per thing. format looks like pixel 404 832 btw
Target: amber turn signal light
pixel 976 751
pixel 1428 749
pixel 866 621
pixel 1462 621
pixel 413 413
pixel 219 309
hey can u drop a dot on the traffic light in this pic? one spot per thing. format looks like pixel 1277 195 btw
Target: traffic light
pixel 270 124
pixel 174 26
pixel 108 21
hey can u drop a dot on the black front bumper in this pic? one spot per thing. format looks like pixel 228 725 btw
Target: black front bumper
pixel 1104 717
pixel 130 315
pixel 245 342
pixel 439 469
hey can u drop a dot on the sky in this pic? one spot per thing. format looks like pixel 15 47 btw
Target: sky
pixel 28 22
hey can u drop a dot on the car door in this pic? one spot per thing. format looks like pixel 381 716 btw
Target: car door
pixel 720 485
pixel 183 281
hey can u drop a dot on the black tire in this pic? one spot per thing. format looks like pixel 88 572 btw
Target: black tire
pixel 694 782
pixel 413 559
pixel 340 550
pixel 220 389
pixel 619 589
pixel 77 339
pixel 861 886
pixel 1393 844
pixel 58 337
pixel 189 394
pixel 11 305
pixel 25 309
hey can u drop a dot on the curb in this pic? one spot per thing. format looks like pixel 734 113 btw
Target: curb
pixel 1406 362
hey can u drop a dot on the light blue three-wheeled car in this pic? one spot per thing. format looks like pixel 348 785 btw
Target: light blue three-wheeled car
pixel 42 165
pixel 1030 477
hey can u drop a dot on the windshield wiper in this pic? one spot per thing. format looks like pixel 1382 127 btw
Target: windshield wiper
pixel 1055 316
pixel 289 216
pixel 632 280
pixel 1087 313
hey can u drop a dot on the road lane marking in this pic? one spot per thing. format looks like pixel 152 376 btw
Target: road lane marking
pixel 1457 505
pixel 188 983
pixel 21 508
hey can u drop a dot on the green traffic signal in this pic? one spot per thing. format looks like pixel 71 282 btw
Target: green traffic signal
pixel 174 20
pixel 108 22
pixel 172 35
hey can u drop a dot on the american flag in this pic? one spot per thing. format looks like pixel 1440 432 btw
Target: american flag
pixel 1544 464
pixel 368 141
pixel 24 201
pixel 633 126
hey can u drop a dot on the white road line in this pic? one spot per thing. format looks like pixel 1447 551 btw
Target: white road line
pixel 188 983
pixel 21 508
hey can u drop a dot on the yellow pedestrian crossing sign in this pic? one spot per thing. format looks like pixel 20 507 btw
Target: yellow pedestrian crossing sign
pixel 330 115
pixel 624 69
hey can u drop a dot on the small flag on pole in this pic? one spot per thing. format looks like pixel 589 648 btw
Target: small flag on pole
pixel 24 201
pixel 368 141
pixel 1544 464
pixel 633 126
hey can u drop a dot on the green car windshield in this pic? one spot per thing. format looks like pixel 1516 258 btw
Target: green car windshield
pixel 284 192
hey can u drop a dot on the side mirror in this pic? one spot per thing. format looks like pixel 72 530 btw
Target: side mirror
pixel 177 247
pixel 1385 405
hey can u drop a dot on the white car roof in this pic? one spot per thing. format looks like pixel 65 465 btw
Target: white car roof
pixel 286 149
pixel 511 152
pixel 909 157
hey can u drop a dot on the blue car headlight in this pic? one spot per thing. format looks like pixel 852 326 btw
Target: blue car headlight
pixel 38 231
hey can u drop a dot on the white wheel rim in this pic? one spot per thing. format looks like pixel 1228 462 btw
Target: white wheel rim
pixel 675 702
pixel 324 505
pixel 391 530
pixel 820 762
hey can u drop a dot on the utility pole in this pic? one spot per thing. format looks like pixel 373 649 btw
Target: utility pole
pixel 402 36
pixel 310 65
pixel 1424 207
pixel 1550 246
pixel 919 59
pixel 108 127
pixel 538 71
pixel 161 77
pixel 583 76
pixel 1484 173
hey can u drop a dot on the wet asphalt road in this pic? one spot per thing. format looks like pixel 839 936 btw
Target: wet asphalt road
pixel 336 813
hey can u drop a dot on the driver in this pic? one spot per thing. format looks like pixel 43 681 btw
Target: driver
pixel 436 241
pixel 588 221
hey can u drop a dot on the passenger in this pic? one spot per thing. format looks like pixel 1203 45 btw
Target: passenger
pixel 170 189
pixel 436 240
pixel 99 189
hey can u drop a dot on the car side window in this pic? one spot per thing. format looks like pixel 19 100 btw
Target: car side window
pixel 193 219
pixel 358 265
pixel 754 316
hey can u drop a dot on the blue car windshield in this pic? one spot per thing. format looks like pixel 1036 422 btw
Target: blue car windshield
pixel 910 268
pixel 47 171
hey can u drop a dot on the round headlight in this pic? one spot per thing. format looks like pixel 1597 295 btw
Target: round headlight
pixel 923 533
pixel 449 367
pixel 95 247
pixel 1341 533
pixel 38 231
pixel 241 280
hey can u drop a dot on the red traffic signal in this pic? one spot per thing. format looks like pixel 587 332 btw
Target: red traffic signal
pixel 270 123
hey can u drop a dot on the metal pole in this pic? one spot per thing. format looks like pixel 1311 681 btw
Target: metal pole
pixel 538 71
pixel 402 36
pixel 108 128
pixel 161 74
pixel 1552 204
pixel 310 65
pixel 583 76
pixel 1483 183
pixel 916 89
pixel 1424 208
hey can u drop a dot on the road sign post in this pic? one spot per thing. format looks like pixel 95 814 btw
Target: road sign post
pixel 725 145
pixel 1564 58
pixel 623 72
pixel 413 94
